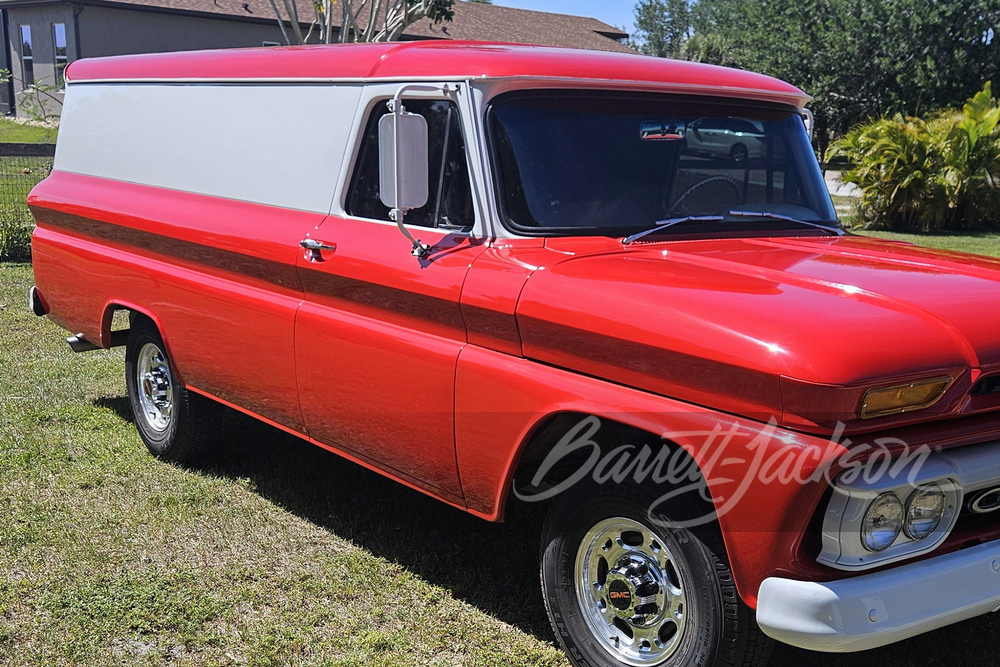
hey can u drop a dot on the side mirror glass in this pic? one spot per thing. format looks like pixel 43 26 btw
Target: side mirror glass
pixel 410 164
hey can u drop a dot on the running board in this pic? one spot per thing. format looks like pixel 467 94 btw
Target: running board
pixel 80 344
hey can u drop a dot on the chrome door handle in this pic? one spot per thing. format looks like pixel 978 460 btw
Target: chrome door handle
pixel 314 249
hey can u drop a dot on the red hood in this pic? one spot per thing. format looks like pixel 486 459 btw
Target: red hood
pixel 758 326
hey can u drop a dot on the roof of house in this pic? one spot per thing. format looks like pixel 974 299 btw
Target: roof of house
pixel 441 60
pixel 471 21
pixel 492 23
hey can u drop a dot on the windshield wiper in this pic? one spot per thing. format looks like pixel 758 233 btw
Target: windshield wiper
pixel 777 216
pixel 670 222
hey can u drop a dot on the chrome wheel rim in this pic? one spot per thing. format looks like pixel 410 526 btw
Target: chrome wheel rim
pixel 631 590
pixel 155 383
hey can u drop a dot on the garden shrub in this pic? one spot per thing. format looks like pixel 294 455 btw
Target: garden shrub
pixel 15 233
pixel 925 175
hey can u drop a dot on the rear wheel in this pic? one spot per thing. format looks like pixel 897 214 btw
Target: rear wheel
pixel 622 589
pixel 174 423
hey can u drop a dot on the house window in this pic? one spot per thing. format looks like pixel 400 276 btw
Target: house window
pixel 27 58
pixel 449 201
pixel 61 55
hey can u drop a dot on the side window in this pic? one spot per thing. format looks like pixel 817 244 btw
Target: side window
pixel 27 57
pixel 449 200
pixel 61 56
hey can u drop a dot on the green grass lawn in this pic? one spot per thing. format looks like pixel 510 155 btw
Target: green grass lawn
pixel 980 244
pixel 14 132
pixel 274 552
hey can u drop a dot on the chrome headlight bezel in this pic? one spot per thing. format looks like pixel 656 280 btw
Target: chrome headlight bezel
pixel 963 473
pixel 843 545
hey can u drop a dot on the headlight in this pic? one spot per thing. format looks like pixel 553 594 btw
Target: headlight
pixel 883 522
pixel 903 397
pixel 924 511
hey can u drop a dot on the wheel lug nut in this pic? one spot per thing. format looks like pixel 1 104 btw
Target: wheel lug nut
pixel 646 590
pixel 645 609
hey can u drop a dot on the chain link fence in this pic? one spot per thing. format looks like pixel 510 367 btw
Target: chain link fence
pixel 22 166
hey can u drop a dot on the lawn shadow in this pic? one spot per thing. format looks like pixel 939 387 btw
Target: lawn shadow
pixel 117 404
pixel 493 567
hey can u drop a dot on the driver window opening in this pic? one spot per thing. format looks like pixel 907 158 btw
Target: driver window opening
pixel 449 202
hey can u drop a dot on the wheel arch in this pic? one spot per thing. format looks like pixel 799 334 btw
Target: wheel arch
pixel 134 310
pixel 549 430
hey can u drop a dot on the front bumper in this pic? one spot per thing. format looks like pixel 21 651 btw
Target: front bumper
pixel 873 610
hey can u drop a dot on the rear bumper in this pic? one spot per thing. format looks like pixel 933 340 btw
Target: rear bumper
pixel 873 610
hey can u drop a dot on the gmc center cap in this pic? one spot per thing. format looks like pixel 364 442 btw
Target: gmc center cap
pixel 620 595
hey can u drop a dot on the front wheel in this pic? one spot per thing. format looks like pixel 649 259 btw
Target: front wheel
pixel 174 423
pixel 621 589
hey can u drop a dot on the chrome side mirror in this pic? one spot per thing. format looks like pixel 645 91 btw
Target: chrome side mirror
pixel 810 122
pixel 403 165
pixel 403 159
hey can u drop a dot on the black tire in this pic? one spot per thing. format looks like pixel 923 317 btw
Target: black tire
pixel 739 153
pixel 192 426
pixel 718 629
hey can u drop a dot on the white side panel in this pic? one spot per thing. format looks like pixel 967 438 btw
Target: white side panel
pixel 274 144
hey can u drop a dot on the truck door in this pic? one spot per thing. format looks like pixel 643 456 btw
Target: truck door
pixel 378 335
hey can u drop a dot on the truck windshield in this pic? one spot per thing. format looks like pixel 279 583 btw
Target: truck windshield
pixel 586 163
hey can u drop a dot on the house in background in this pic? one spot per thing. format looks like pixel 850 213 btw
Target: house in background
pixel 43 36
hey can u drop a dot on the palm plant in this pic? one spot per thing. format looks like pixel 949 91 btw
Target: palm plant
pixel 942 173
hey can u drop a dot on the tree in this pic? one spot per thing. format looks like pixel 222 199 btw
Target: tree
pixel 661 26
pixel 361 20
pixel 708 48
pixel 859 59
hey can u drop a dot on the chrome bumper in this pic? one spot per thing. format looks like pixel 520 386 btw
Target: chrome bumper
pixel 873 610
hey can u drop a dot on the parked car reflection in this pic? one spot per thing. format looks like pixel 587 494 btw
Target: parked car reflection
pixel 735 138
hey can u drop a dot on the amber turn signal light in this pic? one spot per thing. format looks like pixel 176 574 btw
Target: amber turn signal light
pixel 903 397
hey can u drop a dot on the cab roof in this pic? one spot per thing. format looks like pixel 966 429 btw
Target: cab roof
pixel 433 60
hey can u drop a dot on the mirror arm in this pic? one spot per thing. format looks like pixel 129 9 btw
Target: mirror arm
pixel 397 214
